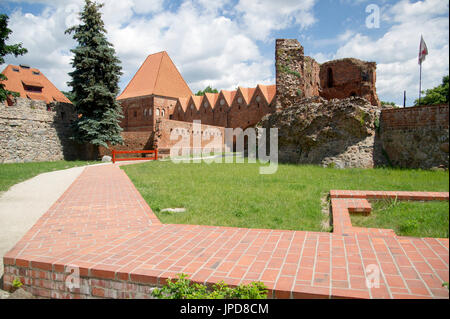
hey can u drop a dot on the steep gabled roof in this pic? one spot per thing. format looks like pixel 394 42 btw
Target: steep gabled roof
pixel 196 100
pixel 228 96
pixel 31 77
pixel 157 75
pixel 211 98
pixel 271 91
pixel 183 102
pixel 247 93
pixel 268 92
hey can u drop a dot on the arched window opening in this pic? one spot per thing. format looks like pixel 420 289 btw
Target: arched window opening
pixel 330 78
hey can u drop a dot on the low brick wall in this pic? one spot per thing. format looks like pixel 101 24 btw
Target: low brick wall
pixel 416 137
pixel 132 141
pixel 214 135
pixel 51 283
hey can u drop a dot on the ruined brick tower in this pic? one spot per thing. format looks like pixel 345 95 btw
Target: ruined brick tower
pixel 349 77
pixel 299 76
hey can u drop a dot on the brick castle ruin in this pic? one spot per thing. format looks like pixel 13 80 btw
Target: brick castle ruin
pixel 158 100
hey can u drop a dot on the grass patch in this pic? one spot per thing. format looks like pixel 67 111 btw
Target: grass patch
pixel 236 195
pixel 14 173
pixel 418 219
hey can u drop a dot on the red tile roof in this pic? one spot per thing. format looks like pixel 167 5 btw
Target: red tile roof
pixel 158 75
pixel 268 91
pixel 247 93
pixel 211 98
pixel 183 102
pixel 228 96
pixel 32 77
pixel 196 100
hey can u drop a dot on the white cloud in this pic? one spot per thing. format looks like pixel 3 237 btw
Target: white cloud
pixel 259 18
pixel 206 46
pixel 396 52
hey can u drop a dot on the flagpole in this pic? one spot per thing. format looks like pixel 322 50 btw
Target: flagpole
pixel 420 81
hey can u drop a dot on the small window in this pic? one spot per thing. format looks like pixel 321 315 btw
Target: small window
pixel 145 112
pixel 192 106
pixel 239 100
pixel 258 98
pixel 162 113
pixel 157 112
pixel 135 114
pixel 150 112
pixel 205 104
pixel 222 102
pixel 15 69
pixel 36 73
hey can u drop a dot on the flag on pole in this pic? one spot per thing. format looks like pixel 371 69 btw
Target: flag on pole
pixel 423 50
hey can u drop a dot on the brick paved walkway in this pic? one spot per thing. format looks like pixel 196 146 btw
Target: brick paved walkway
pixel 103 226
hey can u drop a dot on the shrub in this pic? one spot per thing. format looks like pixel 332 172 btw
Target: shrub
pixel 183 288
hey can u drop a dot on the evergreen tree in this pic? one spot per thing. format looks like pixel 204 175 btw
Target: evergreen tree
pixel 95 81
pixel 15 49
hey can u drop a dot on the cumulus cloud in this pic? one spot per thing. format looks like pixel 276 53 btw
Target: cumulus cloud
pixel 204 42
pixel 396 51
pixel 262 17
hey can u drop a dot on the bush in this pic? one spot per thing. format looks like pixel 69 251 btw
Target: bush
pixel 183 288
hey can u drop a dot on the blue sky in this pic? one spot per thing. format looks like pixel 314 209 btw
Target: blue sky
pixel 231 42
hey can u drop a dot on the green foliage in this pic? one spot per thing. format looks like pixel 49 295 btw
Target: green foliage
pixel 377 124
pixel 299 92
pixel 183 288
pixel 445 284
pixel 284 69
pixel 384 103
pixel 17 283
pixel 437 95
pixel 14 49
pixel 208 89
pixel 69 95
pixel 95 81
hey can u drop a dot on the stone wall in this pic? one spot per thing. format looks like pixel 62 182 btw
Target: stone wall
pixel 416 137
pixel 31 131
pixel 335 133
pixel 297 75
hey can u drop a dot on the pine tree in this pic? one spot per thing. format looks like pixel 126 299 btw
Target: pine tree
pixel 15 49
pixel 95 81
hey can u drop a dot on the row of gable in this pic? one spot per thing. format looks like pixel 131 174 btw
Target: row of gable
pixel 241 108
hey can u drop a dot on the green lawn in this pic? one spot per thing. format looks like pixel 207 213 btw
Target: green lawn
pixel 237 195
pixel 11 174
pixel 418 219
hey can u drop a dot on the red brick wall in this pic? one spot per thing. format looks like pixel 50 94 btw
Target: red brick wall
pixel 347 80
pixel 416 137
pixel 133 141
pixel 412 117
pixel 165 128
